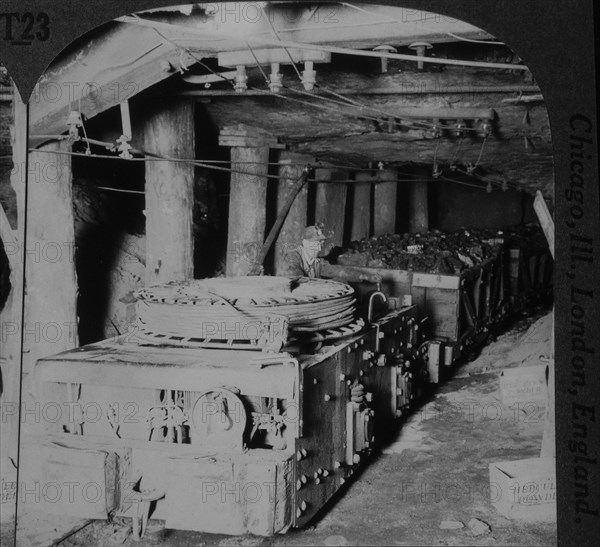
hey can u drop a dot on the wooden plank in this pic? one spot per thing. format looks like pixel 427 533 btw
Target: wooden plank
pixel 368 274
pixel 101 83
pixel 543 214
pixel 169 130
pixel 361 206
pixel 330 206
pixel 384 207
pixel 247 208
pixel 442 308
pixel 291 167
pixel 435 281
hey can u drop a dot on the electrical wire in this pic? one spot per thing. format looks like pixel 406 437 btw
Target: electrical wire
pixel 500 183
pixel 348 100
pixel 444 177
pixel 88 149
pixel 362 106
pixel 330 49
pixel 462 38
pixel 317 164
pixel 258 63
pixel 149 159
pixel 456 151
pixel 410 176
pixel 279 38
pixel 118 190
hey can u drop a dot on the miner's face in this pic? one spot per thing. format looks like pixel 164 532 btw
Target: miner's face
pixel 312 246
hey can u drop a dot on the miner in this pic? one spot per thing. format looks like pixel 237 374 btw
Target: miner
pixel 304 259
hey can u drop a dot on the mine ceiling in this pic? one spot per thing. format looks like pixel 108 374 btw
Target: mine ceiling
pixel 362 108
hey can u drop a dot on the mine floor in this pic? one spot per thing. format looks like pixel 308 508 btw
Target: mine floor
pixel 435 470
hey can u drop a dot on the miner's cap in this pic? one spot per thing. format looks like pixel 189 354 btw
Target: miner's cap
pixel 312 233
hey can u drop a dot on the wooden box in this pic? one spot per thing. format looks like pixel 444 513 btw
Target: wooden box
pixel 524 489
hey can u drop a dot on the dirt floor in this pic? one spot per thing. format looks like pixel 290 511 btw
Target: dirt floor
pixel 435 470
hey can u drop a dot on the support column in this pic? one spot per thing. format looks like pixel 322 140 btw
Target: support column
pixel 361 205
pixel 11 314
pixel 51 282
pixel 418 207
pixel 330 206
pixel 247 195
pixel 170 193
pixel 291 166
pixel 384 210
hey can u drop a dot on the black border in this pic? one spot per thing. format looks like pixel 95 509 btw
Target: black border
pixel 556 41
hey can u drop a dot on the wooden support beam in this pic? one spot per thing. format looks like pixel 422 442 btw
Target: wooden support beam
pixel 169 193
pixel 290 170
pixel 549 435
pixel 361 205
pixel 330 206
pixel 384 207
pixel 545 218
pixel 418 207
pixel 11 315
pixel 247 197
pixel 51 300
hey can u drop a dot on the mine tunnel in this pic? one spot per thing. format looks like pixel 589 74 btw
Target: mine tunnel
pixel 191 383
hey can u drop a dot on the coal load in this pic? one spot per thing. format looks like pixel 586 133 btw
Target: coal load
pixel 436 251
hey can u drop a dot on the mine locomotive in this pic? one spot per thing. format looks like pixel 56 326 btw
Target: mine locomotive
pixel 242 405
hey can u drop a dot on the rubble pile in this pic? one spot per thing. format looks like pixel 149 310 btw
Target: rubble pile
pixel 438 252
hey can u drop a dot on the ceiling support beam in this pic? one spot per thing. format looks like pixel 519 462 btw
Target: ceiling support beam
pixel 384 206
pixel 250 149
pixel 418 205
pixel 405 90
pixel 51 281
pixel 169 131
pixel 361 206
pixel 330 205
pixel 291 167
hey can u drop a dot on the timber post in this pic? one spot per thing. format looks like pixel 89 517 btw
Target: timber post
pixel 418 205
pixel 50 324
pixel 250 149
pixel 11 315
pixel 169 131
pixel 291 168
pixel 385 198
pixel 361 205
pixel 330 205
